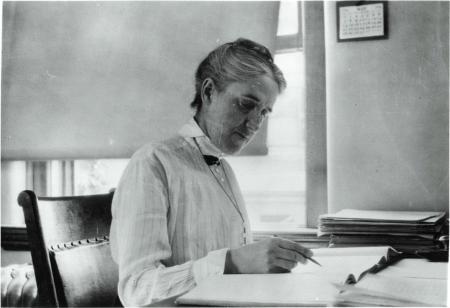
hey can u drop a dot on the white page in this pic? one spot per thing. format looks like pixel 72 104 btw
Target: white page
pixel 261 290
pixel 387 215
pixel 432 292
pixel 351 251
pixel 339 263
pixel 417 268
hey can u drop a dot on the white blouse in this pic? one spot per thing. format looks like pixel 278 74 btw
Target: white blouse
pixel 174 218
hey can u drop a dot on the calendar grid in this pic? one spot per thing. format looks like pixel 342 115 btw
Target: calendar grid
pixel 366 21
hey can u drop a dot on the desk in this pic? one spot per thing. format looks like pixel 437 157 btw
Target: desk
pixel 321 288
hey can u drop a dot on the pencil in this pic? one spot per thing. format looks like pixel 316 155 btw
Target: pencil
pixel 312 260
pixel 309 258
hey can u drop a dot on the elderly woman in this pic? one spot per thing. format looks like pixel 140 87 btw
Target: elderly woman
pixel 178 212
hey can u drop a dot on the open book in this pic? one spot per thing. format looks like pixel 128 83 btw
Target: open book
pixel 307 285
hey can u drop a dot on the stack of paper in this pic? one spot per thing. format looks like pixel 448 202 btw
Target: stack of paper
pixel 400 242
pixel 403 230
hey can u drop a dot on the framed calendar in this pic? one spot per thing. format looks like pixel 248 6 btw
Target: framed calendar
pixel 361 20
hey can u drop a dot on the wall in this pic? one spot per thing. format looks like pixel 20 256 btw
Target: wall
pixel 387 107
pixel 100 79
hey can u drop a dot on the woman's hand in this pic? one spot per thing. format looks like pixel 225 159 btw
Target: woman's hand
pixel 273 255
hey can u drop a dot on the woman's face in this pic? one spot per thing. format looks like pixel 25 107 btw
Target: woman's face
pixel 233 116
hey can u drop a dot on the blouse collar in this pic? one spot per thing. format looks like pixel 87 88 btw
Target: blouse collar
pixel 193 130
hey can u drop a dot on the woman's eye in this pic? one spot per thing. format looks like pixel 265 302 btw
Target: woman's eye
pixel 265 112
pixel 247 105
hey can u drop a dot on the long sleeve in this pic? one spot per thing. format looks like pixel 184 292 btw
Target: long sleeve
pixel 140 238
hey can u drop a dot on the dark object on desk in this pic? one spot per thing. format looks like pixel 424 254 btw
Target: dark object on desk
pixel 444 241
pixel 430 255
pixel 433 256
pixel 69 249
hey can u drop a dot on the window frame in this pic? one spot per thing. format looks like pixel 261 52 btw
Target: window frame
pixel 316 121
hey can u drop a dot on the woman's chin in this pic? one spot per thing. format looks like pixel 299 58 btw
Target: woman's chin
pixel 236 145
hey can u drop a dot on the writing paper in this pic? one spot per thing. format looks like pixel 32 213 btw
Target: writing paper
pixel 394 291
pixel 339 263
pixel 262 290
pixel 405 216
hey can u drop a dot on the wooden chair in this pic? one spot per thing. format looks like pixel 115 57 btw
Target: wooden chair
pixel 70 249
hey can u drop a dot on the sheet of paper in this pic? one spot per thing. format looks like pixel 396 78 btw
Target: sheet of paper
pixel 262 290
pixel 417 268
pixel 432 292
pixel 339 263
pixel 351 251
pixel 388 215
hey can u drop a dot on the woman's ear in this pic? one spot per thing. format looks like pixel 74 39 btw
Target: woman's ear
pixel 208 88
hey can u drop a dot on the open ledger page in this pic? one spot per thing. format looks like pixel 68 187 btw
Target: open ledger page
pixel 417 268
pixel 262 290
pixel 395 291
pixel 338 264
pixel 308 285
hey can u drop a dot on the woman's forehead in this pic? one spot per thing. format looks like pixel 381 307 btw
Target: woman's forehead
pixel 260 86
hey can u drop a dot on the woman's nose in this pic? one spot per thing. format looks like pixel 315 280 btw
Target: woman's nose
pixel 254 120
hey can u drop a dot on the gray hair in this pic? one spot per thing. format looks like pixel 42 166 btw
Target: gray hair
pixel 236 61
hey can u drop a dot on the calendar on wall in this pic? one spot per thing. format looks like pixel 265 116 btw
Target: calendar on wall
pixel 361 20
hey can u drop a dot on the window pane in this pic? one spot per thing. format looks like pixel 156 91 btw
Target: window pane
pixel 97 176
pixel 274 185
pixel 288 18
pixel 287 122
pixel 13 182
pixel 273 189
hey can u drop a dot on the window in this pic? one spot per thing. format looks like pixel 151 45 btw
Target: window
pixel 14 180
pixel 97 176
pixel 274 185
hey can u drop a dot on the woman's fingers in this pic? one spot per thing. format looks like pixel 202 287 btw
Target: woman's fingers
pixel 286 244
pixel 287 265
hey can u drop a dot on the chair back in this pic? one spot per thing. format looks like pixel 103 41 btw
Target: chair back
pixel 70 249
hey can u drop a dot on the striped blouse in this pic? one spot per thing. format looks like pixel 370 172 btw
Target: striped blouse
pixel 174 218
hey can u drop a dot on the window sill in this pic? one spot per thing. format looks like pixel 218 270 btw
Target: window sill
pixel 14 238
pixel 304 236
